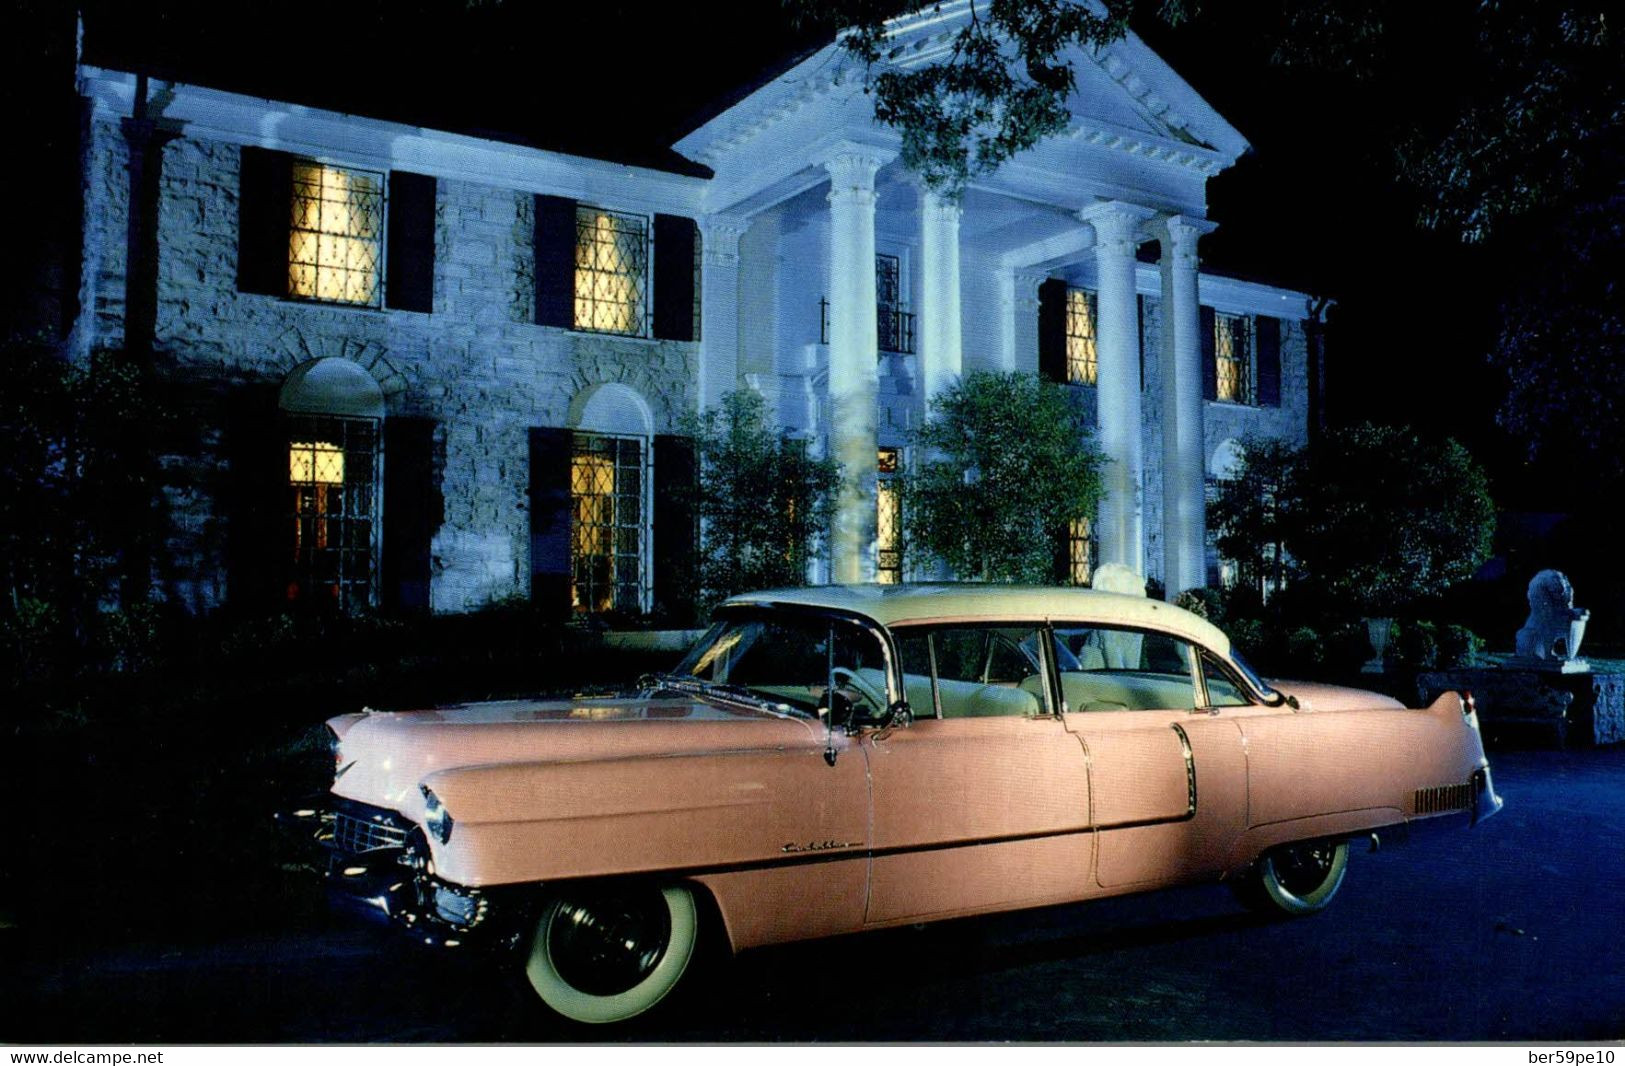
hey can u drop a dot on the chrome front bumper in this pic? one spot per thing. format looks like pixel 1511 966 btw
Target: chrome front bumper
pixel 378 869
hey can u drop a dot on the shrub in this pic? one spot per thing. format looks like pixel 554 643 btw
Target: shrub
pixel 1415 645
pixel 1459 647
pixel 1204 603
pixel 1386 517
pixel 1252 509
pixel 764 503
pixel 1305 648
pixel 1006 463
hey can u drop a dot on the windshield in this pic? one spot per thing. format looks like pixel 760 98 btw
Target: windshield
pixel 790 658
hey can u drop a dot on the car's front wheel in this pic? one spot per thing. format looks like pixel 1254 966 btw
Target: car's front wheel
pixel 609 953
pixel 1296 878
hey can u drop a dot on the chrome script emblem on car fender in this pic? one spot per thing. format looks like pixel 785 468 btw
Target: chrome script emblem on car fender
pixel 819 845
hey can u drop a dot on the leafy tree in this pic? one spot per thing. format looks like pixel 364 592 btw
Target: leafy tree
pixel 76 478
pixel 1007 461
pixel 1561 343
pixel 1537 118
pixel 1384 516
pixel 1253 510
pixel 764 503
pixel 1002 88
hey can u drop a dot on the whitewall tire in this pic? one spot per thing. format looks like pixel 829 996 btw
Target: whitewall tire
pixel 1297 879
pixel 608 953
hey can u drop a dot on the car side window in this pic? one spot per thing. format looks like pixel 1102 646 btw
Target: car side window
pixel 972 671
pixel 1125 669
pixel 1222 690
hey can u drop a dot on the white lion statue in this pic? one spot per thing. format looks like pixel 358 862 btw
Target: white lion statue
pixel 1551 612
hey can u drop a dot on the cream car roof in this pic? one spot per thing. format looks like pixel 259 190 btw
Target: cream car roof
pixel 902 604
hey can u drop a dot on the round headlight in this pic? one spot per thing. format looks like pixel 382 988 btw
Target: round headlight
pixel 436 819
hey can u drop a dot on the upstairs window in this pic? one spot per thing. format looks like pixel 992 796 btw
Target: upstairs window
pixel 894 323
pixel 1233 359
pixel 626 274
pixel 612 272
pixel 309 230
pixel 336 235
pixel 1082 312
pixel 1241 358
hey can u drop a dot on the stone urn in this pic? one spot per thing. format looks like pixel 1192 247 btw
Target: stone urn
pixel 1577 632
pixel 1376 631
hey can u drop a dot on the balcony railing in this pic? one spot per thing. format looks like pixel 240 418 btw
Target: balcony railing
pixel 894 326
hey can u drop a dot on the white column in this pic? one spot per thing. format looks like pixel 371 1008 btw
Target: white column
pixel 719 309
pixel 1184 505
pixel 941 346
pixel 1117 347
pixel 853 354
pixel 1018 306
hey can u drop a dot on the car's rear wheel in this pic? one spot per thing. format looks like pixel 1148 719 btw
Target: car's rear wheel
pixel 609 953
pixel 1296 878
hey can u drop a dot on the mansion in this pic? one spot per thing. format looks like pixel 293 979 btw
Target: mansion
pixel 427 371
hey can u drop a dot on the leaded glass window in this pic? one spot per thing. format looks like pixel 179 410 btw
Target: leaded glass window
pixel 1082 312
pixel 335 235
pixel 889 520
pixel 612 272
pixel 332 495
pixel 607 529
pixel 1233 357
pixel 1080 555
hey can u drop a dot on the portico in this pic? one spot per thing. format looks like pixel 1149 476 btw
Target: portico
pixel 841 252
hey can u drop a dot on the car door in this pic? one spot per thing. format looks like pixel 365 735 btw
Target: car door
pixel 1167 771
pixel 982 803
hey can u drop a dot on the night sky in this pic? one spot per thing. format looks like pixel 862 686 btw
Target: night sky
pixel 1313 207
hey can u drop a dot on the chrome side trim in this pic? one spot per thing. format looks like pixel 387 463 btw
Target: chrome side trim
pixel 1190 767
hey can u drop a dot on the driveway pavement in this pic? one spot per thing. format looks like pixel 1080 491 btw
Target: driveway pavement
pixel 1511 931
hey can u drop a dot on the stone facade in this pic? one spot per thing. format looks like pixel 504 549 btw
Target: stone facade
pixel 477 365
pixel 806 191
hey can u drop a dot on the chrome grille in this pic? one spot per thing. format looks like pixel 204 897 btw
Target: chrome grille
pixel 353 833
pixel 1443 798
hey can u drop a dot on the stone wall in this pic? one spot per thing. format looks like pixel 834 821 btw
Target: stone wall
pixel 477 366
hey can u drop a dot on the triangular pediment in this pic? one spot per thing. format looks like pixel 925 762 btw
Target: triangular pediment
pixel 1124 90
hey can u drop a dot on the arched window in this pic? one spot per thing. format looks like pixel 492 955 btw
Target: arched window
pixel 610 503
pixel 332 419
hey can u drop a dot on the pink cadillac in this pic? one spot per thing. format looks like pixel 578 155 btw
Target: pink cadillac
pixel 837 759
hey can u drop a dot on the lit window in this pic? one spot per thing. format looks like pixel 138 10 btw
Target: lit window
pixel 335 234
pixel 332 478
pixel 889 520
pixel 607 529
pixel 1079 552
pixel 612 260
pixel 1233 357
pixel 1082 365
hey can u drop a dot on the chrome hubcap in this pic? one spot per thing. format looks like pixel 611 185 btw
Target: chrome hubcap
pixel 608 945
pixel 1304 868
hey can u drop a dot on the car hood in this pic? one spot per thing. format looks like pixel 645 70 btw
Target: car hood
pixel 384 755
pixel 1313 696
